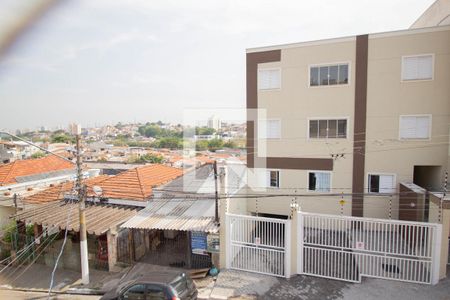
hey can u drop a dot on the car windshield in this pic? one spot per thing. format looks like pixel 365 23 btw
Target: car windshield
pixel 179 284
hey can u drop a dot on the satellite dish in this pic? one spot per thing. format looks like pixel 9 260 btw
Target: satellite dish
pixel 97 190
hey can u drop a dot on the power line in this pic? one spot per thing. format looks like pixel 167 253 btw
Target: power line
pixel 37 249
pixel 36 258
pixel 23 251
pixel 60 252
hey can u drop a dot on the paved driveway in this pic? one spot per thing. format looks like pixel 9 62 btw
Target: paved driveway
pixel 231 283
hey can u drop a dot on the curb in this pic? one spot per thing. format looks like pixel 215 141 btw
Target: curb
pixel 67 292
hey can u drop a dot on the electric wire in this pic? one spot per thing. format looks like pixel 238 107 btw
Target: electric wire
pixel 60 252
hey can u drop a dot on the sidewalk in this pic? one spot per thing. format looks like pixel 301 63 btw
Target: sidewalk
pixel 233 284
pixel 37 277
pixel 239 285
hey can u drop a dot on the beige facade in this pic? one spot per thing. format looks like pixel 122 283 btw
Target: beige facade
pixel 438 14
pixel 388 98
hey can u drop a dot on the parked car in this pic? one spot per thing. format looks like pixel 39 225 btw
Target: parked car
pixel 154 285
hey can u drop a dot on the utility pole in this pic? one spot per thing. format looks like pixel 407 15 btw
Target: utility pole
pixel 15 202
pixel 82 205
pixel 216 215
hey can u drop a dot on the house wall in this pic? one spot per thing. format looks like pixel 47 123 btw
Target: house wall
pixel 5 212
pixel 438 14
pixel 411 204
pixel 441 217
pixel 386 99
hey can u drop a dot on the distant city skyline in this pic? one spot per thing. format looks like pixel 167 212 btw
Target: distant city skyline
pixel 98 62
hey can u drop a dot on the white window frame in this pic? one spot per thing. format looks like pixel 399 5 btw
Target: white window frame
pixel 325 65
pixel 319 171
pixel 415 139
pixel 380 174
pixel 267 120
pixel 267 69
pixel 309 138
pixel 417 55
pixel 268 178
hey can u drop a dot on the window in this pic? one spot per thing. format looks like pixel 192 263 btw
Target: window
pixel 155 292
pixel 381 183
pixel 333 128
pixel 328 75
pixel 136 292
pixel 180 284
pixel 419 67
pixel 269 79
pixel 269 129
pixel 319 181
pixel 274 179
pixel 415 127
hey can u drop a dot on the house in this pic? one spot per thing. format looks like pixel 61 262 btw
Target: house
pixel 175 227
pixel 13 150
pixel 353 119
pixel 111 201
pixel 26 177
pixel 111 168
pixel 6 155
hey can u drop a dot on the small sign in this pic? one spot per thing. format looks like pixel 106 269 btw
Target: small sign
pixel 198 243
pixel 257 240
pixel 213 241
pixel 342 202
pixel 360 245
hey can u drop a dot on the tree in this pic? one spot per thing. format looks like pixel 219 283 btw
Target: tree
pixel 151 158
pixel 38 154
pixel 151 131
pixel 204 131
pixel 62 138
pixel 169 142
pixel 215 144
pixel 201 145
pixel 230 144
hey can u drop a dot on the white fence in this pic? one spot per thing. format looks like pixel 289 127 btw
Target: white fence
pixel 258 244
pixel 347 248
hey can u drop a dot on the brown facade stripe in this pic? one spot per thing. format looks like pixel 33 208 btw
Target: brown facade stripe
pixel 359 136
pixel 250 144
pixel 253 59
pixel 293 163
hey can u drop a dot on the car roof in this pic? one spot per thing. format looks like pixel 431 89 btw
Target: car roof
pixel 156 277
pixel 142 272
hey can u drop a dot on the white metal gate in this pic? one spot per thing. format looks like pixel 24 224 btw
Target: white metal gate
pixel 258 244
pixel 347 248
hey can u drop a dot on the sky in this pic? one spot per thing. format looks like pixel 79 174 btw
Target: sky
pixel 101 62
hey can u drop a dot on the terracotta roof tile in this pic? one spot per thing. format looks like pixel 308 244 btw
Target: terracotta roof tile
pixel 57 192
pixel 134 184
pixel 9 172
pixel 137 183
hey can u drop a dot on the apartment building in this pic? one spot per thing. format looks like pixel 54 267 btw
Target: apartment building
pixel 346 123
pixel 438 14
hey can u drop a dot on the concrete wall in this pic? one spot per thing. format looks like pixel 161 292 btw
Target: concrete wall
pixel 438 14
pixel 412 203
pixel 5 213
pixel 443 219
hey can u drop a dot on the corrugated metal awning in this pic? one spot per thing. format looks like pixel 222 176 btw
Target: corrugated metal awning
pixel 99 217
pixel 176 214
